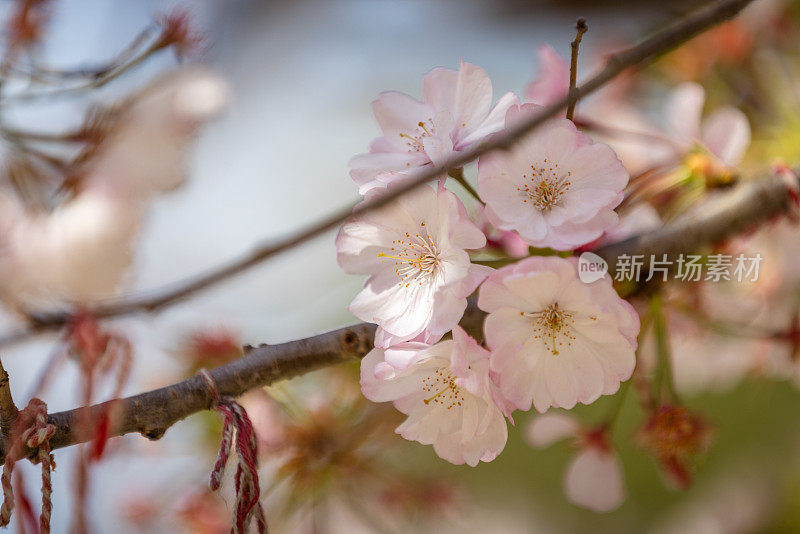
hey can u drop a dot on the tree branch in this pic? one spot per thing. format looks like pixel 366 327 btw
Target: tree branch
pixel 8 410
pixel 729 212
pixel 663 41
pixel 723 215
pixel 580 28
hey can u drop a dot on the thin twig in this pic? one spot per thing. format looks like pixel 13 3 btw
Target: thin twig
pixel 73 136
pixel 44 75
pixel 580 28
pixel 100 79
pixel 621 133
pixel 679 32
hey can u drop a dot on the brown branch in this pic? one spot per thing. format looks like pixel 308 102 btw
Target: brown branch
pixel 581 28
pixel 152 413
pixel 8 410
pixel 663 41
pixel 723 215
pixel 727 213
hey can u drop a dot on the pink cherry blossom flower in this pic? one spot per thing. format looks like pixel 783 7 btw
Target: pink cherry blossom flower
pixel 544 430
pixel 506 240
pixel 594 476
pixel 725 134
pixel 446 392
pixel 609 108
pixel 456 111
pixel 420 272
pixel 556 341
pixel 555 187
pixel 553 81
pixel 594 479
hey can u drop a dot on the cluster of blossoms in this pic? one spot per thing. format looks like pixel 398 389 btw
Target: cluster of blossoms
pixel 550 339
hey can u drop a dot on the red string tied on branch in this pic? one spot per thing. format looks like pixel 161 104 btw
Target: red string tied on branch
pixel 237 428
pixel 32 430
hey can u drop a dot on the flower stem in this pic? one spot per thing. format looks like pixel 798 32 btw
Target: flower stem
pixel 665 375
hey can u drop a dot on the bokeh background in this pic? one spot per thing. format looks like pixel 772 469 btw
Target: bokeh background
pixel 303 75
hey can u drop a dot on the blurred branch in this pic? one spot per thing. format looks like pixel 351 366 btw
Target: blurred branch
pixel 46 75
pixel 152 413
pixel 621 133
pixel 674 35
pixel 152 39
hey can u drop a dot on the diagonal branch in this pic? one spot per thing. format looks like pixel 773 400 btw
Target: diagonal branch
pixel 733 211
pixel 665 40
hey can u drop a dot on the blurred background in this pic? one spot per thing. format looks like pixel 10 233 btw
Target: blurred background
pixel 302 76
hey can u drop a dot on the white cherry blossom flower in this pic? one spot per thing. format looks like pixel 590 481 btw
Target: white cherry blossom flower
pixel 556 341
pixel 82 250
pixel 552 83
pixel 446 392
pixel 725 134
pixel 555 186
pixel 593 478
pixel 420 274
pixel 456 111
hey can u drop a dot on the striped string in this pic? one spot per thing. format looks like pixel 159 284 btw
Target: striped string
pixel 32 430
pixel 236 421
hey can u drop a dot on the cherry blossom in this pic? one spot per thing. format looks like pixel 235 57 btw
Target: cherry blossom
pixel 456 111
pixel 552 84
pixel 555 187
pixel 509 242
pixel 82 250
pixel 420 272
pixel 446 392
pixel 556 341
pixel 146 154
pixel 725 134
pixel 593 478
